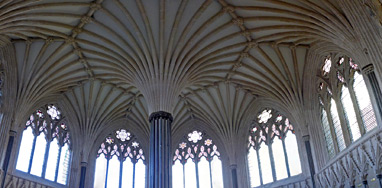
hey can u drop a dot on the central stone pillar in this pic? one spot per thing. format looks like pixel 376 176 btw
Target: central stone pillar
pixel 160 150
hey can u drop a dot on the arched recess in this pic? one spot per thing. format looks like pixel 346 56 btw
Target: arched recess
pixel 316 57
pixel 19 127
pixel 21 118
pixel 123 123
pixel 299 127
pixel 199 125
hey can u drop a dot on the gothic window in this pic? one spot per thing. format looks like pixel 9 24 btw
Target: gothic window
pixel 272 150
pixel 120 162
pixel 45 148
pixel 343 95
pixel 327 133
pixel 196 163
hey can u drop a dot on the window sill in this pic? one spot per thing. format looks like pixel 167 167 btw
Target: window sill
pixel 36 179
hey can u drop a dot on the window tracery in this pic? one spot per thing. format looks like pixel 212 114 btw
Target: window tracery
pixel 120 162
pixel 45 149
pixel 196 163
pixel 343 95
pixel 272 149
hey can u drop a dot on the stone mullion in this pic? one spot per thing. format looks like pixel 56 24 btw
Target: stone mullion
pixel 32 154
pixel 209 163
pixel 134 164
pixel 344 122
pixel 286 157
pixel 356 108
pixel 45 164
pixel 58 164
pixel 271 157
pixel 259 166
pixel 332 131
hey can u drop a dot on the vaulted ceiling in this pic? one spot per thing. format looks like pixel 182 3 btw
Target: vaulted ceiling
pixel 200 59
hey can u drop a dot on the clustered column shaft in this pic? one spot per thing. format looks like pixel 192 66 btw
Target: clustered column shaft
pixel 160 150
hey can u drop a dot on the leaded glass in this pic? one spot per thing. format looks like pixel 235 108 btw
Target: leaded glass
pixel 293 154
pixel 265 164
pixel 350 102
pixel 46 142
pixel 327 133
pixel 119 159
pixel 253 167
pixel 278 152
pixel 337 125
pixel 350 114
pixel 364 103
pixel 327 66
pixel 268 145
pixel 197 156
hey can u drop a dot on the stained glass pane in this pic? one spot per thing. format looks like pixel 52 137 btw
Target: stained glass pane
pixel 253 168
pixel 337 126
pixel 327 133
pixel 100 172
pixel 279 159
pixel 293 154
pixel 127 174
pixel 265 163
pixel 364 103
pixel 39 154
pixel 217 172
pixel 265 116
pixel 177 175
pixel 190 174
pixel 63 169
pixel 347 103
pixel 25 150
pixel 140 174
pixel 52 160
pixel 204 173
pixel 53 112
pixel 123 135
pixel 113 173
pixel 195 136
pixel 327 66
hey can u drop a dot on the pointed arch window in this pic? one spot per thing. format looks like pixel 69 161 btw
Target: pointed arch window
pixel 272 149
pixel 120 162
pixel 343 95
pixel 45 149
pixel 197 163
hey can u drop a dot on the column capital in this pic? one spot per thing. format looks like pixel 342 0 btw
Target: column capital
pixel 12 133
pixel 368 69
pixel 233 166
pixel 160 114
pixel 306 138
pixel 84 164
